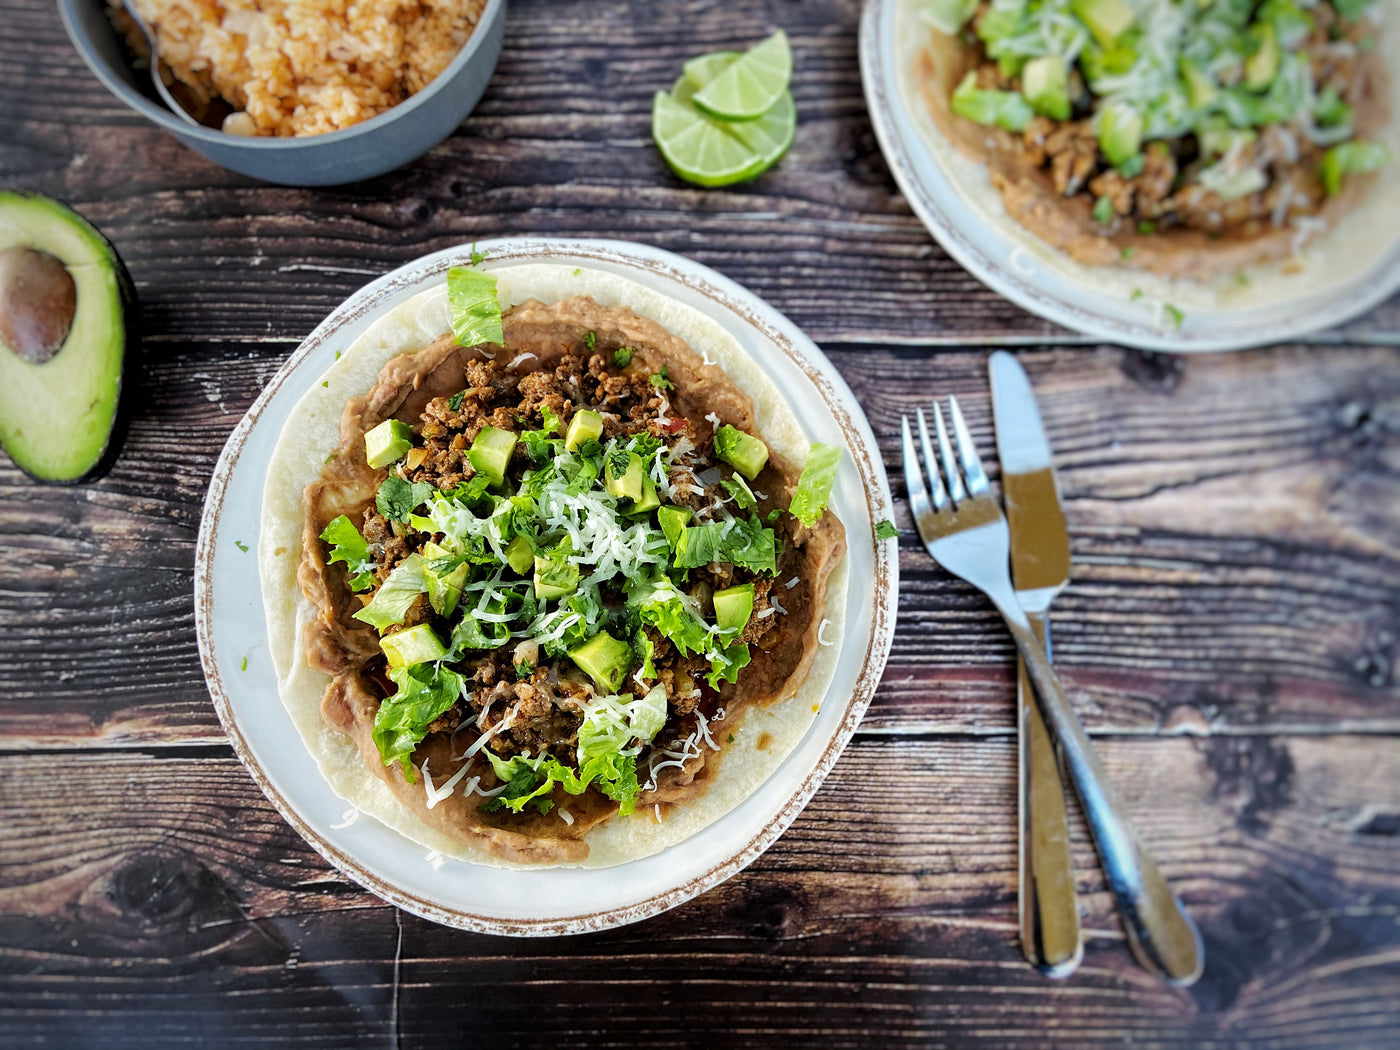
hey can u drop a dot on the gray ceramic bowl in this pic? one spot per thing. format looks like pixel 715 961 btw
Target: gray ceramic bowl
pixel 380 144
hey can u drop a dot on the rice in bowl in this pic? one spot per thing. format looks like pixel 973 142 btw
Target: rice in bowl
pixel 302 67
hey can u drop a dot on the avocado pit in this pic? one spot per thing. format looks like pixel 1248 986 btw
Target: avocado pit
pixel 38 301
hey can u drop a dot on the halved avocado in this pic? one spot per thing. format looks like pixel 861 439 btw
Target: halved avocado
pixel 65 306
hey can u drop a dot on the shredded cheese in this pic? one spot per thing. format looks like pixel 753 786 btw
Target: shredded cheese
pixel 437 794
pixel 346 819
pixel 822 631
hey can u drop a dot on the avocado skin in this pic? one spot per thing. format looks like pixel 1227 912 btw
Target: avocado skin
pixel 128 371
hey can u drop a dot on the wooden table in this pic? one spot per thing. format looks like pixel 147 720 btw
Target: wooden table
pixel 1230 636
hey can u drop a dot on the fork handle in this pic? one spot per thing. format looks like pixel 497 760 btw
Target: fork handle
pixel 1160 933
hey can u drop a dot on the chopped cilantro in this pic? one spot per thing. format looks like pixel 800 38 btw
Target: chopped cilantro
pixel 1137 294
pixel 886 530
pixel 1174 317
pixel 350 549
pixel 661 381
pixel 622 356
pixel 523 670
pixel 1146 226
pixel 455 401
pixel 477 257
pixel 1103 211
pixel 397 499
pixel 241 546
pixel 774 515
pixel 590 341
pixel 731 739
pixel 1128 251
pixel 332 455
pixel 325 382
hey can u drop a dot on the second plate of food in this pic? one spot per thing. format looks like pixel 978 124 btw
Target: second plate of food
pixel 555 634
pixel 1185 178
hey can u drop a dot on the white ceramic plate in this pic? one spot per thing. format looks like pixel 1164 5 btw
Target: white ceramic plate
pixel 951 195
pixel 232 631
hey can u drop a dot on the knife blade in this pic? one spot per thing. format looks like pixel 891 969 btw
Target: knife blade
pixel 1040 562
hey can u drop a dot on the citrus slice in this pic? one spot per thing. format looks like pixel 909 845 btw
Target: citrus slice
pixel 769 136
pixel 698 149
pixel 750 85
pixel 702 69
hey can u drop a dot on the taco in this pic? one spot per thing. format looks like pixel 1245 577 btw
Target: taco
pixel 1189 142
pixel 547 569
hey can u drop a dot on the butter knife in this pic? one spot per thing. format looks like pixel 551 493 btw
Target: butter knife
pixel 1048 910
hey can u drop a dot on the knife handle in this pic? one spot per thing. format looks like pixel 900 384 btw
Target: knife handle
pixel 1048 907
pixel 1160 933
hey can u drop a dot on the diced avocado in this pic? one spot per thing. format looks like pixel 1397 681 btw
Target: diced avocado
pixel 387 443
pixel 520 554
pixel 1045 85
pixel 605 660
pixel 415 645
pixel 586 426
pixel 648 501
pixel 1107 20
pixel 1261 67
pixel 65 311
pixel 734 606
pixel 444 591
pixel 744 452
pixel 672 520
pixel 628 484
pixel 555 575
pixel 490 453
pixel 1200 89
pixel 1120 132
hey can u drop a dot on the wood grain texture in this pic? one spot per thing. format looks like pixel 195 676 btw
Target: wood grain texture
pixel 1234 521
pixel 559 145
pixel 183 904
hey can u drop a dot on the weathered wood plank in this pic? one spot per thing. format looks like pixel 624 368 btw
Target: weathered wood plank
pixel 560 145
pixel 1235 542
pixel 180 904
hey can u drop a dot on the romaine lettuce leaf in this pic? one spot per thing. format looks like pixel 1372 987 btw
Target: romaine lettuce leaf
pixel 814 484
pixel 425 692
pixel 476 312
pixel 349 548
pixel 399 591
pixel 726 664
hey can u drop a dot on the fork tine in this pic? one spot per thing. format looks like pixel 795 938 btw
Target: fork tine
pixel 967 451
pixel 945 451
pixel 913 477
pixel 940 494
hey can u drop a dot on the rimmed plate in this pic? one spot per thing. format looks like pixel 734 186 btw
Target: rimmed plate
pixel 232 631
pixel 951 195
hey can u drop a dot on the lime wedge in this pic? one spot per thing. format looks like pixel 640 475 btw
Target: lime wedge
pixel 698 149
pixel 769 136
pixel 700 70
pixel 750 85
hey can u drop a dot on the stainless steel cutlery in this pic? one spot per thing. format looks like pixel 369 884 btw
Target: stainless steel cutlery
pixel 961 525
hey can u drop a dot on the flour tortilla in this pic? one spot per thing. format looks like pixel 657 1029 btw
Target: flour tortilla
pixel 1351 249
pixel 765 736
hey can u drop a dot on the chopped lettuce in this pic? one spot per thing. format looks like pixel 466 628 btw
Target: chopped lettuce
pixel 949 16
pixel 476 312
pixel 726 663
pixel 425 692
pixel 744 543
pixel 1004 109
pixel 1356 157
pixel 814 484
pixel 886 530
pixel 397 499
pixel 663 607
pixel 349 548
pixel 396 594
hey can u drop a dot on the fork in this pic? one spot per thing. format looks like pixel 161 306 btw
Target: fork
pixel 962 527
